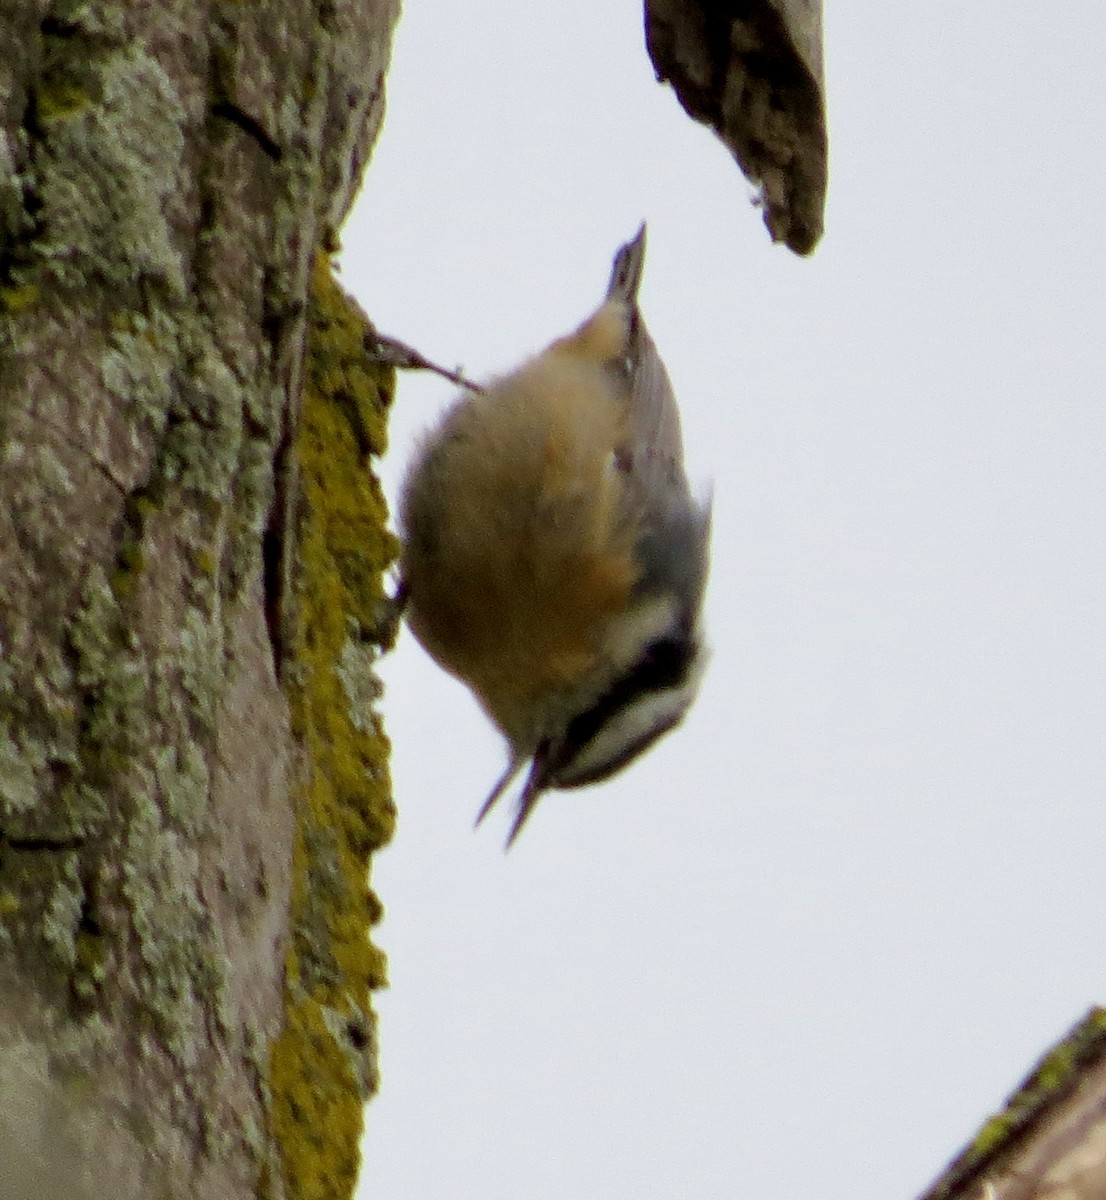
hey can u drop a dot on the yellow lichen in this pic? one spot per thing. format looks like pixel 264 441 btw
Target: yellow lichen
pixel 18 297
pixel 205 560
pixel 993 1133
pixel 322 1063
pixel 63 100
pixel 318 1118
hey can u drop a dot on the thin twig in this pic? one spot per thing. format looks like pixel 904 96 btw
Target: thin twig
pixel 399 354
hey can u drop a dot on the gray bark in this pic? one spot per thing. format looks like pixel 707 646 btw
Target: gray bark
pixel 167 172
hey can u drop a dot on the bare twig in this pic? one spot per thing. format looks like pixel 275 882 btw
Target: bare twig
pixel 399 354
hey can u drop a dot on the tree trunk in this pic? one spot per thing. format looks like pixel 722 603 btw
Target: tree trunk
pixel 191 774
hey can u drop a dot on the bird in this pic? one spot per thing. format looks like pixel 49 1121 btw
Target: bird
pixel 553 557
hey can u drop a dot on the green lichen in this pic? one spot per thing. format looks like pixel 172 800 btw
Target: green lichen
pixel 139 362
pixel 110 673
pixel 170 924
pixel 253 490
pixel 201 666
pixel 52 475
pixel 163 795
pixel 106 171
pixel 18 774
pixel 322 1064
pixel 62 913
pixel 38 736
pixel 203 454
pixel 184 785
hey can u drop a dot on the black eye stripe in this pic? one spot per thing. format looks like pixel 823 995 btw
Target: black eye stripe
pixel 625 755
pixel 664 664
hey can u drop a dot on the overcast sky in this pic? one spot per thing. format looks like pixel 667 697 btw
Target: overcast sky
pixel 812 939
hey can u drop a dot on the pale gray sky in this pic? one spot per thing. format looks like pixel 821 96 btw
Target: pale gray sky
pixel 811 940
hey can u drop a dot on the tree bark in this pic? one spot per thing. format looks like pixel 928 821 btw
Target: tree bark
pixel 752 71
pixel 1049 1141
pixel 191 774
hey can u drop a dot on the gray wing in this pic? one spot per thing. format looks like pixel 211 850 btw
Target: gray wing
pixel 674 550
pixel 654 416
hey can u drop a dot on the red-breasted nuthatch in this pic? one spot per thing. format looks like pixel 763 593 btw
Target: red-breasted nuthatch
pixel 553 556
